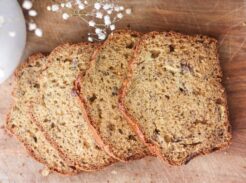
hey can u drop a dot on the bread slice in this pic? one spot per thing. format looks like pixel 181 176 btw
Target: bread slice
pixel 19 123
pixel 98 91
pixel 173 96
pixel 57 111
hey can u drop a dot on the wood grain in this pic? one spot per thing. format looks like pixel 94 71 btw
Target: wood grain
pixel 224 20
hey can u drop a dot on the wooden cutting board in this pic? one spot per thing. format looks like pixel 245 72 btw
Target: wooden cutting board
pixel 225 20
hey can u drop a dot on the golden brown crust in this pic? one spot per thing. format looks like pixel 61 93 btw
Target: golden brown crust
pixel 153 146
pixel 85 108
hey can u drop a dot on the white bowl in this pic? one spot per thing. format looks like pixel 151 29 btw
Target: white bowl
pixel 12 37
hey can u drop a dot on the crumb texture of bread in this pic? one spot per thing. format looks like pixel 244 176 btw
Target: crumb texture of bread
pixel 19 122
pixel 99 90
pixel 58 111
pixel 174 95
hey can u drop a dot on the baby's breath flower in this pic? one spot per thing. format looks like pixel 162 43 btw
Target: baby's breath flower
pixel 90 39
pixel 106 17
pixel 99 15
pixel 65 16
pixel 107 21
pixel 27 4
pixel 68 5
pixel 98 30
pixel 128 11
pixel 91 23
pixel 106 6
pixel 109 12
pixel 97 6
pixel 38 32
pixel 32 26
pixel 122 8
pixel 81 6
pixel 101 36
pixel 112 27
pixel 49 8
pixel 62 5
pixel 32 13
pixel 55 7
pixel 117 8
pixel 78 2
pixel 120 15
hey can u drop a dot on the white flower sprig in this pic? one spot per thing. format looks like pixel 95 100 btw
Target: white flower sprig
pixel 27 5
pixel 101 15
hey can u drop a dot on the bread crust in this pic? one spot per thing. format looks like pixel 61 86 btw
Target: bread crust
pixel 153 146
pixel 28 147
pixel 71 162
pixel 85 108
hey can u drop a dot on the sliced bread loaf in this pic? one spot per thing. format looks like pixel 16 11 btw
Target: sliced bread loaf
pixel 173 96
pixel 19 122
pixel 57 111
pixel 98 91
